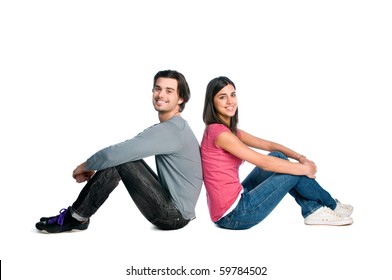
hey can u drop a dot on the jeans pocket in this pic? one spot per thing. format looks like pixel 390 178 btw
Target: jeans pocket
pixel 169 224
pixel 170 220
pixel 228 221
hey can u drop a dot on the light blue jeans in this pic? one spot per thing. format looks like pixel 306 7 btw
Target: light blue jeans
pixel 263 190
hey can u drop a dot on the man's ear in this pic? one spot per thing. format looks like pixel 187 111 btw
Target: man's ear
pixel 180 101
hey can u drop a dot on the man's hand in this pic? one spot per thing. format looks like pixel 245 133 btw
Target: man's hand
pixel 80 174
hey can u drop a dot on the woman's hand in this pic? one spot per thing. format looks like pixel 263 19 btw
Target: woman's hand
pixel 311 169
pixel 304 160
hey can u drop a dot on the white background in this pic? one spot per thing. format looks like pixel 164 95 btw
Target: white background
pixel 76 76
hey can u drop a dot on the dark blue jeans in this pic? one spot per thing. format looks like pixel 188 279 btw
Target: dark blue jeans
pixel 263 190
pixel 150 197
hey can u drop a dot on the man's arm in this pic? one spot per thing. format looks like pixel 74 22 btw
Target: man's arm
pixel 158 139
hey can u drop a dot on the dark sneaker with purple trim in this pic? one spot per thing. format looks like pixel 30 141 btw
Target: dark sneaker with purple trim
pixel 61 223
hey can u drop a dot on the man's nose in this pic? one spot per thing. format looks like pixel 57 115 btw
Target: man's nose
pixel 161 93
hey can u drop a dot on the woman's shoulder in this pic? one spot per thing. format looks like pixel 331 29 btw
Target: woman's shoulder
pixel 217 127
pixel 212 131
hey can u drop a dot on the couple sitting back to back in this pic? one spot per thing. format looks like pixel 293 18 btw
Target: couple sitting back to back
pixel 168 198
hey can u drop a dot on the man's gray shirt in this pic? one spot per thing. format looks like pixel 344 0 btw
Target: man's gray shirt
pixel 177 157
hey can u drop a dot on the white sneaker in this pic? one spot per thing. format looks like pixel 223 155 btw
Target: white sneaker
pixel 326 216
pixel 344 210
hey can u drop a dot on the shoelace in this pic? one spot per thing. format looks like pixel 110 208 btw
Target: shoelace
pixel 330 211
pixel 59 219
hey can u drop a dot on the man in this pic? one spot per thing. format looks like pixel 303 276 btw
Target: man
pixel 166 199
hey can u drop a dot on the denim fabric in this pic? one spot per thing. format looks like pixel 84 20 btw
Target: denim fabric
pixel 263 190
pixel 150 197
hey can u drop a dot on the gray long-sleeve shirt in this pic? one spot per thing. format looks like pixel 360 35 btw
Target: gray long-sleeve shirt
pixel 177 157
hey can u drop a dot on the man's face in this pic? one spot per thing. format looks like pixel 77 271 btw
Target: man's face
pixel 165 96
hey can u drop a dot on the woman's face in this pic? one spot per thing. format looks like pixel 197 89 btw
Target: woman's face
pixel 225 103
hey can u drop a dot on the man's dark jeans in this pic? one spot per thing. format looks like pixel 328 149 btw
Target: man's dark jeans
pixel 150 197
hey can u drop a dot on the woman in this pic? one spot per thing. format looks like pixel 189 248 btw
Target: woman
pixel 224 147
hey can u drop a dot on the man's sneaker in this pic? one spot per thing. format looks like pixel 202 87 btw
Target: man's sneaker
pixel 326 216
pixel 61 223
pixel 344 210
pixel 48 218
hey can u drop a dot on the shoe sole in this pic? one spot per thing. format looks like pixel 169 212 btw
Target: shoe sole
pixel 41 228
pixel 67 231
pixel 329 223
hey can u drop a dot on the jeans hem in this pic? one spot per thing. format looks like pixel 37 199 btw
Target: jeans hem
pixel 312 211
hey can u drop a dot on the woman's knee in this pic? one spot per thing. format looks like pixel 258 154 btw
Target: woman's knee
pixel 278 155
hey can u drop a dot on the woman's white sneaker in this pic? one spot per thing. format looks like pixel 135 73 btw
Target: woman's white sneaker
pixel 344 210
pixel 327 216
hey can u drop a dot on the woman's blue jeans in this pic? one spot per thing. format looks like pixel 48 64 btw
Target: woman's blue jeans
pixel 263 190
pixel 153 201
